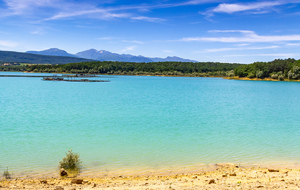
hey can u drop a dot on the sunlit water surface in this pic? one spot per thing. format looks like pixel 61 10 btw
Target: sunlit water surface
pixel 146 123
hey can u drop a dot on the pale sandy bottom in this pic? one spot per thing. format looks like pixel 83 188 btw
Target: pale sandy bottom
pixel 219 176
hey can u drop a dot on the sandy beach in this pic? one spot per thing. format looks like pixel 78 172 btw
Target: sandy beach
pixel 223 176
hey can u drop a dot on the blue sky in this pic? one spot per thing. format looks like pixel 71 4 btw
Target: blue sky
pixel 202 30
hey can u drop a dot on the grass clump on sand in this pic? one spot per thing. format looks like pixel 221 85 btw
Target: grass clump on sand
pixel 71 163
pixel 7 174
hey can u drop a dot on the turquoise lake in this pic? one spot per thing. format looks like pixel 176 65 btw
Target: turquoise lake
pixel 146 123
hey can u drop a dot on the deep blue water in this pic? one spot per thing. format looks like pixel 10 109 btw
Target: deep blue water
pixel 143 122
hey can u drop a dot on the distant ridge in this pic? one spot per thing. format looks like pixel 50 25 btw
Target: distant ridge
pixel 103 55
pixel 53 52
pixel 11 56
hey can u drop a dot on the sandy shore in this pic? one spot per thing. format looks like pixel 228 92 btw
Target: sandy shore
pixel 223 176
pixel 258 79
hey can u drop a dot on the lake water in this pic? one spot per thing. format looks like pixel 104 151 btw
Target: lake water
pixel 146 123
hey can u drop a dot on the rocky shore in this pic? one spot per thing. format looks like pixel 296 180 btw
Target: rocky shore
pixel 223 176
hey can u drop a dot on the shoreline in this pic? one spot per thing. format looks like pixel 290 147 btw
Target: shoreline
pixel 258 79
pixel 113 171
pixel 224 77
pixel 222 176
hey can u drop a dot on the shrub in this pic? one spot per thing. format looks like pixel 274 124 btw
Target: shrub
pixel 280 77
pixel 274 76
pixel 230 73
pixel 7 174
pixel 260 74
pixel 71 163
pixel 251 75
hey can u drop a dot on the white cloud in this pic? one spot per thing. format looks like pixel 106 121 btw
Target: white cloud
pixel 37 32
pixel 247 37
pixel 97 13
pixel 149 19
pixel 65 9
pixel 20 7
pixel 261 7
pixel 106 38
pixel 292 44
pixel 275 55
pixel 241 45
pixel 167 51
pixel 235 49
pixel 132 41
pixel 232 8
pixel 249 32
pixel 130 48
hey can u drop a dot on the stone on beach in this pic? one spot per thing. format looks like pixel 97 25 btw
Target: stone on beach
pixel 272 170
pixel 63 172
pixel 77 181
pixel 43 181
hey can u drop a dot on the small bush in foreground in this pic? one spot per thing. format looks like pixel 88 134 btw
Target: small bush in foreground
pixel 71 163
pixel 7 174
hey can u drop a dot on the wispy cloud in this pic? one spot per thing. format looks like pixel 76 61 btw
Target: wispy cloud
pixel 233 8
pixel 38 32
pixel 132 41
pixel 25 7
pixel 95 13
pixel 247 37
pixel 274 55
pixel 106 38
pixel 130 48
pixel 239 48
pixel 66 9
pixel 8 44
pixel 167 51
pixel 149 19
pixel 118 39
pixel 261 7
pixel 292 44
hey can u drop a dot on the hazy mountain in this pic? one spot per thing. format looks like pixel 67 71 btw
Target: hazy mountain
pixel 174 58
pixel 52 51
pixel 108 56
pixel 103 55
pixel 18 57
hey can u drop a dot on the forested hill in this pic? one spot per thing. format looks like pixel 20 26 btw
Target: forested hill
pixel 278 69
pixel 10 56
pixel 130 68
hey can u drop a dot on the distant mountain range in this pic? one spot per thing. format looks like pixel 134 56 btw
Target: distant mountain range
pixel 103 55
pixel 17 57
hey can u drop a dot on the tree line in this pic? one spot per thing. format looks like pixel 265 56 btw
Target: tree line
pixel 279 69
pixel 131 68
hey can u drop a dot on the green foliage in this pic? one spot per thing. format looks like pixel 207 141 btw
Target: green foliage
pixel 259 74
pixel 281 77
pixel 294 73
pixel 251 75
pixel 277 69
pixel 230 73
pixel 71 162
pixel 7 174
pixel 274 76
pixel 131 68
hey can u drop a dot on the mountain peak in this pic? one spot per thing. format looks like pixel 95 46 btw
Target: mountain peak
pixel 53 52
pixel 103 55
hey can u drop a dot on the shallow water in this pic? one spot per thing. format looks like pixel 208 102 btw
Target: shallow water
pixel 147 123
